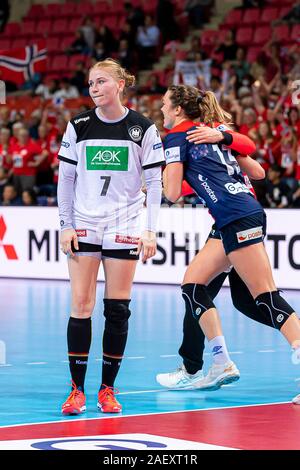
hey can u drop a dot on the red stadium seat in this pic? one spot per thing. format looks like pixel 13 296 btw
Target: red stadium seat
pixel 11 30
pixel 244 36
pixel 74 24
pixel 233 18
pixel 20 43
pixel 59 26
pixel 251 16
pixel 53 45
pixel 284 11
pixel 52 10
pixel 83 9
pixel 36 12
pixel 209 37
pixel 5 44
pixel 281 32
pixel 74 59
pixel 295 36
pixel 65 42
pixel 59 63
pixel 150 7
pixel 252 54
pixel 43 27
pixel 262 34
pixel 269 14
pixel 100 7
pixel 117 7
pixel 28 29
pixel 68 10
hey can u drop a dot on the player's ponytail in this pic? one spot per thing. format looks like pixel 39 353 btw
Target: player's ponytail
pixel 116 70
pixel 210 110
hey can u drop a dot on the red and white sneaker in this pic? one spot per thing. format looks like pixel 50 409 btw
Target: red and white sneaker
pixel 75 403
pixel 107 401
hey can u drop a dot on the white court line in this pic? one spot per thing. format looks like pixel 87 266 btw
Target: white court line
pixel 5 365
pixel 267 351
pixel 148 414
pixel 34 363
pixel 168 355
pixel 135 357
pixel 235 352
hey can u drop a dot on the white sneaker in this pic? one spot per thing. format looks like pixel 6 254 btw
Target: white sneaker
pixel 296 356
pixel 296 400
pixel 218 375
pixel 179 379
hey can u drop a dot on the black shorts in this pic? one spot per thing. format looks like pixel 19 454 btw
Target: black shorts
pixel 243 232
pixel 96 251
pixel 214 233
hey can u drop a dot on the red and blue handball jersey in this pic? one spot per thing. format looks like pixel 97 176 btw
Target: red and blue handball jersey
pixel 213 173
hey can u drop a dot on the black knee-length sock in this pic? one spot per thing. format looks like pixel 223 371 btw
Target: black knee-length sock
pixel 79 336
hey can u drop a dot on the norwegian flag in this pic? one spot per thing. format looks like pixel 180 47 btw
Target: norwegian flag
pixel 20 65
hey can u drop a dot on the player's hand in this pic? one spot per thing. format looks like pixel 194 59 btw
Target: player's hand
pixel 204 135
pixel 147 243
pixel 66 238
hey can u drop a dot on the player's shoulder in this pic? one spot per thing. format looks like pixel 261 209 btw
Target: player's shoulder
pixel 137 119
pixel 82 119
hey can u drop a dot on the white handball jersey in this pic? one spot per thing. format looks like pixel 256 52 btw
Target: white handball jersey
pixel 109 159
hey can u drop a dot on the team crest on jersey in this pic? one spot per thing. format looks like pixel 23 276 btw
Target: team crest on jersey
pixel 135 133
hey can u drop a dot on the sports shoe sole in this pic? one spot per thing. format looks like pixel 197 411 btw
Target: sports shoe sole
pixel 112 411
pixel 187 387
pixel 228 379
pixel 73 411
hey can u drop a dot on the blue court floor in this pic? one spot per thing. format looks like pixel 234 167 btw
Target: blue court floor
pixel 34 380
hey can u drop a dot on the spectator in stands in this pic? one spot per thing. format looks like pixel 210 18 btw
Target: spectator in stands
pixel 198 11
pixel 99 52
pixel 293 16
pixel 128 34
pixel 265 141
pixel 253 3
pixel 16 127
pixel 166 23
pixel 10 196
pixel 47 88
pixel 147 40
pixel 5 160
pixel 79 45
pixel 78 78
pixel 105 35
pixel 4 14
pixel 88 30
pixel 216 86
pixel 249 121
pixel 25 153
pixel 29 198
pixel 240 66
pixel 154 86
pixel 4 116
pixel 66 90
pixel 228 48
pixel 124 54
pixel 278 192
pixel 294 119
pixel 135 16
pixel 289 145
pixel 3 180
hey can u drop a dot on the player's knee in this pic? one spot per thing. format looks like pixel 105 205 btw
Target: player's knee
pixel 83 305
pixel 196 299
pixel 116 313
pixel 273 305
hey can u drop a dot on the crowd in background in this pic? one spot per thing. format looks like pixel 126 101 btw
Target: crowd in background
pixel 261 95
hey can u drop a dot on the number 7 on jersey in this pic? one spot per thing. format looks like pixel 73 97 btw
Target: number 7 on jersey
pixel 105 185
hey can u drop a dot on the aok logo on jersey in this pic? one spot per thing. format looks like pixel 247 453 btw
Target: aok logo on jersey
pixel 107 158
